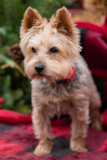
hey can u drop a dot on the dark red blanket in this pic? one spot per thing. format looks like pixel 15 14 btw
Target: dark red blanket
pixel 94 43
pixel 17 142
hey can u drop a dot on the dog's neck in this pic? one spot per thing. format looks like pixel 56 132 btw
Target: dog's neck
pixel 69 78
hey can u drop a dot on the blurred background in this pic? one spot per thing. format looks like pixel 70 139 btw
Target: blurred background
pixel 15 89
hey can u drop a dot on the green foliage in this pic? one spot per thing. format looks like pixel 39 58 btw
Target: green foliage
pixel 11 14
pixel 46 7
pixel 14 87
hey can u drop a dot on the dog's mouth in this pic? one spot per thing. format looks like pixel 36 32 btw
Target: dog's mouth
pixel 46 76
pixel 40 74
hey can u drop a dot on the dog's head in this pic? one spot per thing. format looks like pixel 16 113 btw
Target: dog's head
pixel 49 47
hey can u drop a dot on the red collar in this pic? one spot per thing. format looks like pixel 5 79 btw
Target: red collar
pixel 69 78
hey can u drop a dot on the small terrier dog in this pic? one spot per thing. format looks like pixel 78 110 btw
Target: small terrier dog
pixel 61 81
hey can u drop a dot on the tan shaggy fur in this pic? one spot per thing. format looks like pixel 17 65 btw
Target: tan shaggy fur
pixel 78 98
pixel 95 11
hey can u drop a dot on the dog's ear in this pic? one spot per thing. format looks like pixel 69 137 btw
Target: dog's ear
pixel 31 18
pixel 63 22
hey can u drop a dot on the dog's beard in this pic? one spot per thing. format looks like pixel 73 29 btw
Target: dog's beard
pixel 50 78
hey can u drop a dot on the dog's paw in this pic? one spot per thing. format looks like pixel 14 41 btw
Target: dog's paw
pixel 78 145
pixel 78 148
pixel 43 149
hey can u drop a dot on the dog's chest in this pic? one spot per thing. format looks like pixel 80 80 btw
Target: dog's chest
pixel 65 107
pixel 56 93
pixel 56 98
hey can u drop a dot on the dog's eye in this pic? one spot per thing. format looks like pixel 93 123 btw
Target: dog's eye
pixel 53 50
pixel 34 50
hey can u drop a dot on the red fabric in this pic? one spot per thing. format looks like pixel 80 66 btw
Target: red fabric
pixel 100 73
pixel 61 127
pixel 14 118
pixel 104 27
pixel 105 96
pixel 104 121
pixel 8 148
pixel 14 142
pixel 96 54
pixel 101 29
pixel 95 155
pixel 89 26
pixel 103 147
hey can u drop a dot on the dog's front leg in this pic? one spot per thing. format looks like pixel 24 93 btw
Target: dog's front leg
pixel 41 123
pixel 80 120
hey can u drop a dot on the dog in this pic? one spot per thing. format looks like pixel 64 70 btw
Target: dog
pixel 61 81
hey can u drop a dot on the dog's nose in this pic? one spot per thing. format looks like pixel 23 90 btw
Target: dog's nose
pixel 39 68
